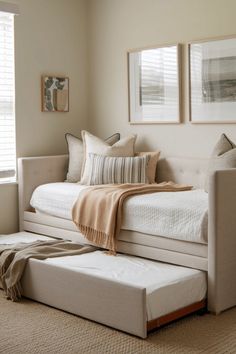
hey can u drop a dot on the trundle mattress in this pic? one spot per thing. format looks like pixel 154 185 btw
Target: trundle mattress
pixel 176 215
pixel 168 287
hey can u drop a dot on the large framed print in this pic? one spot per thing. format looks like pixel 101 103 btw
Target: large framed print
pixel 213 81
pixel 154 85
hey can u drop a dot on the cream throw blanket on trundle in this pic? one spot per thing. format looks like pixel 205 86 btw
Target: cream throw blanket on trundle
pixel 98 210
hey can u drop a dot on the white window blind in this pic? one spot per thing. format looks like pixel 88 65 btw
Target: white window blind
pixel 152 77
pixel 7 99
pixel 158 74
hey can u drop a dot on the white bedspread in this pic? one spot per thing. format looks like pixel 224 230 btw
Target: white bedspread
pixel 177 215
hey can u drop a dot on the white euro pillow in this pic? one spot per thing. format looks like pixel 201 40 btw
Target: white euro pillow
pixel 94 145
pixel 76 155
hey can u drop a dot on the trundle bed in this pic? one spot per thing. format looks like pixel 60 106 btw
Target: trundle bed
pixel 123 303
pixel 128 293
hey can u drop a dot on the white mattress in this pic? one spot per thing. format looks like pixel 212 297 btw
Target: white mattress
pixel 161 280
pixel 177 215
pixel 168 287
pixel 23 236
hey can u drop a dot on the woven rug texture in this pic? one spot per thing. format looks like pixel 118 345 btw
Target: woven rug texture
pixel 28 327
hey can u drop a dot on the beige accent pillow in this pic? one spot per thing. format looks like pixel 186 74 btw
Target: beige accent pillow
pixel 152 164
pixel 76 155
pixel 93 145
pixel 222 157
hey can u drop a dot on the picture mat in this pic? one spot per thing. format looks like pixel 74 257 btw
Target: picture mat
pixel 154 85
pixel 221 54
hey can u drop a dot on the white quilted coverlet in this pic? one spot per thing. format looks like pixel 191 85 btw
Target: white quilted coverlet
pixel 177 215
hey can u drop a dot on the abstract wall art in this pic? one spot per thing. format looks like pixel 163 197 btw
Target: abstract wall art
pixel 55 94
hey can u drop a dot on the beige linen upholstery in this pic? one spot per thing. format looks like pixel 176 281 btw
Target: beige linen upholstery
pixel 222 221
pixel 165 243
pixel 185 170
pixel 113 303
pixel 222 240
pixel 168 250
pixel 34 171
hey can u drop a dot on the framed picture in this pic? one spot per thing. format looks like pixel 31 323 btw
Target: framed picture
pixel 213 81
pixel 154 85
pixel 55 94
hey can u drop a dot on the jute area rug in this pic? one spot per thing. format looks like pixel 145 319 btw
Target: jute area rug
pixel 30 327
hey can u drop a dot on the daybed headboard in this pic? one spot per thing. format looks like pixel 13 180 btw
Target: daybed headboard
pixel 184 170
pixel 34 171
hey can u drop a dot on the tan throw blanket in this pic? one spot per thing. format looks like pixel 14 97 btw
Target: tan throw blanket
pixel 98 210
pixel 13 259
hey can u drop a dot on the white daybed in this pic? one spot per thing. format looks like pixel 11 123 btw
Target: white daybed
pixel 217 257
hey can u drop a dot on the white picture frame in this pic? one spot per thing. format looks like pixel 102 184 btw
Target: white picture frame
pixel 212 80
pixel 154 85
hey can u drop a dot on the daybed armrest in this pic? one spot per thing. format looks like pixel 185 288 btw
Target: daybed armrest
pixel 222 241
pixel 34 171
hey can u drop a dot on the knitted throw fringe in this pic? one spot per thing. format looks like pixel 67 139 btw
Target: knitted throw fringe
pixel 14 293
pixel 100 238
pixel 2 271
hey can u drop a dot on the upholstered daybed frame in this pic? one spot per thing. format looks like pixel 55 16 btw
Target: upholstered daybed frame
pixel 218 258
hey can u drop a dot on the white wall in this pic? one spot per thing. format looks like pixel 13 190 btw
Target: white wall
pixel 116 26
pixel 51 38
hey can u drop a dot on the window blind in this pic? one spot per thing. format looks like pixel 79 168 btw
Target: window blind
pixel 7 98
pixel 157 73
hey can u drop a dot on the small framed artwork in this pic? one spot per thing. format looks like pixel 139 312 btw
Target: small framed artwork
pixel 154 85
pixel 55 94
pixel 212 86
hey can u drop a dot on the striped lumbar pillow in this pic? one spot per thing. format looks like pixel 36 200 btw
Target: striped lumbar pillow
pixel 110 170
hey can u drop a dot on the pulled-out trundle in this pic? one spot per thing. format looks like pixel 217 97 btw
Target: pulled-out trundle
pixel 128 293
